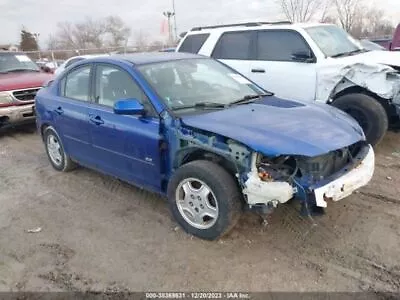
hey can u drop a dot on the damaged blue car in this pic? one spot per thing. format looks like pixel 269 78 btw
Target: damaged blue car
pixel 197 131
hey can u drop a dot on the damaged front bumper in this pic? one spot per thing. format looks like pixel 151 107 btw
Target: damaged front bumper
pixel 346 181
pixel 336 187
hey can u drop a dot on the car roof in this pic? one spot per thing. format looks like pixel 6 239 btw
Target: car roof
pixel 153 57
pixel 253 26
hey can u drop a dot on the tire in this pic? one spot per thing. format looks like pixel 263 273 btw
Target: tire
pixel 224 197
pixel 368 112
pixel 56 154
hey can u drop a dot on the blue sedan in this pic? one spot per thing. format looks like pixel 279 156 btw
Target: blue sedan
pixel 200 133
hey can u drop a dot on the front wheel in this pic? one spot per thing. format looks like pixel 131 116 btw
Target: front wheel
pixel 368 112
pixel 204 199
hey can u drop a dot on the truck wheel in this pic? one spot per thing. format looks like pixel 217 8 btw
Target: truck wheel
pixel 204 199
pixel 368 112
pixel 55 151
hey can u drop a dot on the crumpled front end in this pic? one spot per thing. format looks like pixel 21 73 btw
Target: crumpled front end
pixel 313 180
pixel 380 79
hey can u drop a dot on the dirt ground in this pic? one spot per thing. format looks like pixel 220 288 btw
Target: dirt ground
pixel 101 234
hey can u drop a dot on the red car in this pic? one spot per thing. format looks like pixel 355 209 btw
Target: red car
pixel 20 79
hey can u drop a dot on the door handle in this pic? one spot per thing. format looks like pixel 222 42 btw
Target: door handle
pixel 96 120
pixel 59 110
pixel 258 70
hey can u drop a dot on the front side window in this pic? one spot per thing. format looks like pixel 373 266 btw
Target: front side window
pixel 113 84
pixel 280 45
pixel 15 62
pixel 333 41
pixel 193 43
pixel 233 45
pixel 188 82
pixel 76 84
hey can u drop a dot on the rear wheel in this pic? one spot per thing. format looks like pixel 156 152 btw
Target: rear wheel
pixel 368 112
pixel 204 199
pixel 55 151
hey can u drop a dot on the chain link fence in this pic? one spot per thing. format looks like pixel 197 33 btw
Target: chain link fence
pixel 58 55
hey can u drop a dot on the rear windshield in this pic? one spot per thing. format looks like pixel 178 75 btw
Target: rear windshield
pixel 12 62
pixel 193 43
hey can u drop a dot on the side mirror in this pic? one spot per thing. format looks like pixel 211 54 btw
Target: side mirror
pixel 303 56
pixel 128 107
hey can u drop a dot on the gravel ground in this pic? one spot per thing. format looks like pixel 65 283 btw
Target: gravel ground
pixel 100 234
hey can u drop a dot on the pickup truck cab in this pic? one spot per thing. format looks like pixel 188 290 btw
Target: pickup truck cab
pixel 196 131
pixel 20 80
pixel 309 62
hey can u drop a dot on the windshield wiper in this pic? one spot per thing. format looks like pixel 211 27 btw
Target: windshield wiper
pixel 249 99
pixel 19 70
pixel 348 53
pixel 203 105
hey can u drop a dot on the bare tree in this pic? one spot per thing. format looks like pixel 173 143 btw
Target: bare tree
pixel 91 33
pixel 348 13
pixel 119 33
pixel 361 21
pixel 300 10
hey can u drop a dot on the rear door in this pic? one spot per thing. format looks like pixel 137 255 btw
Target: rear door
pixel 236 50
pixel 275 69
pixel 70 110
pixel 123 145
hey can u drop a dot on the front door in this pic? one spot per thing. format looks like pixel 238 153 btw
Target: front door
pixel 275 69
pixel 235 50
pixel 123 145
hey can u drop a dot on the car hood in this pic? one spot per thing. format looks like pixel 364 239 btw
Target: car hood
pixel 391 58
pixel 274 126
pixel 23 80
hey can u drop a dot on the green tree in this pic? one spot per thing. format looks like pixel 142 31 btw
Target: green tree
pixel 28 41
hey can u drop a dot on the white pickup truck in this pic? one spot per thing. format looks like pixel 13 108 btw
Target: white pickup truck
pixel 309 62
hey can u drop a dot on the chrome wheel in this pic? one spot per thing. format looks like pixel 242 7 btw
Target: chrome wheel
pixel 196 203
pixel 54 149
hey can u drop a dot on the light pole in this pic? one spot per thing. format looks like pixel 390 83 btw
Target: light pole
pixel 169 15
pixel 173 11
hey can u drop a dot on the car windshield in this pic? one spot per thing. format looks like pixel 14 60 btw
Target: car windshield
pixel 190 83
pixel 333 41
pixel 12 62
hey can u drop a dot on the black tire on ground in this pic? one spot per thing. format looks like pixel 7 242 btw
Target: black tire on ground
pixel 222 185
pixel 65 164
pixel 368 112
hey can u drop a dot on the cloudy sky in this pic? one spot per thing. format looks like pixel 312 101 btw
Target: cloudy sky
pixel 146 15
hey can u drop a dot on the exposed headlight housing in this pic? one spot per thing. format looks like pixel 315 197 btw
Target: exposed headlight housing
pixel 280 168
pixel 6 98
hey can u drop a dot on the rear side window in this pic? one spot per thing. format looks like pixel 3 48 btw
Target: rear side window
pixel 193 43
pixel 76 84
pixel 279 45
pixel 233 45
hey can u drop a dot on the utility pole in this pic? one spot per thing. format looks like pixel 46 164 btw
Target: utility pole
pixel 169 15
pixel 173 11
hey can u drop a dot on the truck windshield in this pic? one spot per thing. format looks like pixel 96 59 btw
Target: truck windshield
pixel 15 62
pixel 334 41
pixel 198 84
